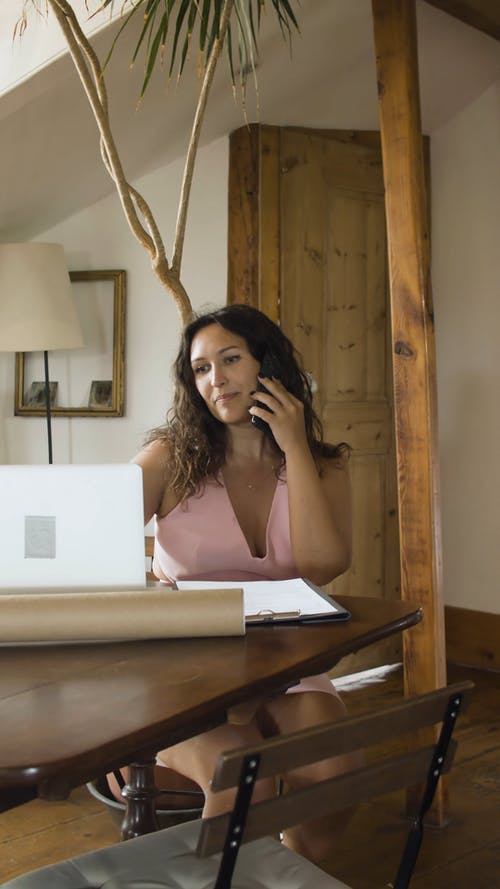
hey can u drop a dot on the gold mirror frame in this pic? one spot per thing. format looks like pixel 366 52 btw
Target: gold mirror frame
pixel 117 406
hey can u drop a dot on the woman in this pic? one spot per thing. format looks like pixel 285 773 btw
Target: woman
pixel 238 502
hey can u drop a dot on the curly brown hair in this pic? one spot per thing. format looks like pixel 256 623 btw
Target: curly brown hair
pixel 196 440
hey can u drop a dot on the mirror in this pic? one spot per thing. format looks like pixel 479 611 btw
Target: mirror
pixel 88 382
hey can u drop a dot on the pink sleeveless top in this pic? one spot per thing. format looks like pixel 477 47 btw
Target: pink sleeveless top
pixel 201 539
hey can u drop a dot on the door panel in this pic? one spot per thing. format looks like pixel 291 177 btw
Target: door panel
pixel 334 297
pixel 332 302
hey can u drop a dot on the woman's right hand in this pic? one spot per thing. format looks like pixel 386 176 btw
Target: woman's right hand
pixel 286 419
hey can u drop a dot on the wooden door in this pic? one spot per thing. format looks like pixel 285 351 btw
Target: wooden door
pixel 307 244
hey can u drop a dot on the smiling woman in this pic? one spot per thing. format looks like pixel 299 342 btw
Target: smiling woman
pixel 237 502
pixel 200 445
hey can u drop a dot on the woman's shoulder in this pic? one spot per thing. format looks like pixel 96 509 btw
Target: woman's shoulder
pixel 159 496
pixel 154 453
pixel 154 459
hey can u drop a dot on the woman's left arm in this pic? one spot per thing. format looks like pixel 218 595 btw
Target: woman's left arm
pixel 320 506
pixel 320 516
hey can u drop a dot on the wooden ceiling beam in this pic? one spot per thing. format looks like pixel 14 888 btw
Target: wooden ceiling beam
pixel 481 14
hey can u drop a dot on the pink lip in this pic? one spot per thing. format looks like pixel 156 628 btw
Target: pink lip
pixel 226 397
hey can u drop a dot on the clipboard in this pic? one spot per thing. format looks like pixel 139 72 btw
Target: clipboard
pixel 296 600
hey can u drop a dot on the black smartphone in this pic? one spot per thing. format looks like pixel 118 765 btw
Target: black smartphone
pixel 269 368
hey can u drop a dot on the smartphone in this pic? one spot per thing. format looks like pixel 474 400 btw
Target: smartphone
pixel 269 368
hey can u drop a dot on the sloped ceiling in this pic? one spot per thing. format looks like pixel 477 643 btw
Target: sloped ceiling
pixel 50 165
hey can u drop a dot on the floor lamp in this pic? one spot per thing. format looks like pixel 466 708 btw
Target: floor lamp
pixel 37 308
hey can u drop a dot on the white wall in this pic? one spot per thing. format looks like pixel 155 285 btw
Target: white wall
pixel 465 164
pixel 99 238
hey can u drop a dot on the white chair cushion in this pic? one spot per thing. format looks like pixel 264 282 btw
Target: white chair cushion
pixel 167 860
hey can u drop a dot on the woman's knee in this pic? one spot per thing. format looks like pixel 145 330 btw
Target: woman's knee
pixel 300 711
pixel 197 756
pixel 292 712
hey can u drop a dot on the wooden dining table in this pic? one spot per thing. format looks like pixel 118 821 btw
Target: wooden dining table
pixel 70 712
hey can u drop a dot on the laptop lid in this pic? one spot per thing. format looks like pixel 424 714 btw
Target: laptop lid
pixel 71 527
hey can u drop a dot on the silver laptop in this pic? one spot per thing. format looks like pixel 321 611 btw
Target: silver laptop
pixel 71 527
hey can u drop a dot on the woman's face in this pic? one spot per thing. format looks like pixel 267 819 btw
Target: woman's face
pixel 225 373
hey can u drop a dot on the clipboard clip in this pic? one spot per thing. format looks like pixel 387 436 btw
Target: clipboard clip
pixel 267 614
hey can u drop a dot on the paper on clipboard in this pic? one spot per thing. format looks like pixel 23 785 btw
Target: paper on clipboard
pixel 270 601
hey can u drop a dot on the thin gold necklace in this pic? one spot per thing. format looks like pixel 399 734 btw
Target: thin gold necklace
pixel 253 486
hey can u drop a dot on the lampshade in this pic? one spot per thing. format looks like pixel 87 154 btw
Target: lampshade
pixel 37 309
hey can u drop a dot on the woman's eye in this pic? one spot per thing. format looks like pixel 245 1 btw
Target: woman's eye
pixel 200 369
pixel 230 359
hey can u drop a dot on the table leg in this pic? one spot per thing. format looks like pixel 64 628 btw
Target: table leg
pixel 140 796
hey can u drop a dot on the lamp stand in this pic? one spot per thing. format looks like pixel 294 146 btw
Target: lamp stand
pixel 47 403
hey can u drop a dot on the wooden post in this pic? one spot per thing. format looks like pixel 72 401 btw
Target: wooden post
pixel 243 216
pixel 253 218
pixel 412 326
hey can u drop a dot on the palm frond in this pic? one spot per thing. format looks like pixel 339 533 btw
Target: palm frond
pixel 185 21
pixel 204 24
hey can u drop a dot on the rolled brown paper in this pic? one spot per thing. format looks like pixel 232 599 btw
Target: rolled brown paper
pixel 135 614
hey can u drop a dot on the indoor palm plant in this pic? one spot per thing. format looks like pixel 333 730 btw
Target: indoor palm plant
pixel 211 25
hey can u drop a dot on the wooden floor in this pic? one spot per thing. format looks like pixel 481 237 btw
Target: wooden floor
pixel 464 855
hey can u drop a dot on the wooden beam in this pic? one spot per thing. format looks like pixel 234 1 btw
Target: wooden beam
pixel 243 216
pixel 254 218
pixel 412 326
pixel 481 14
